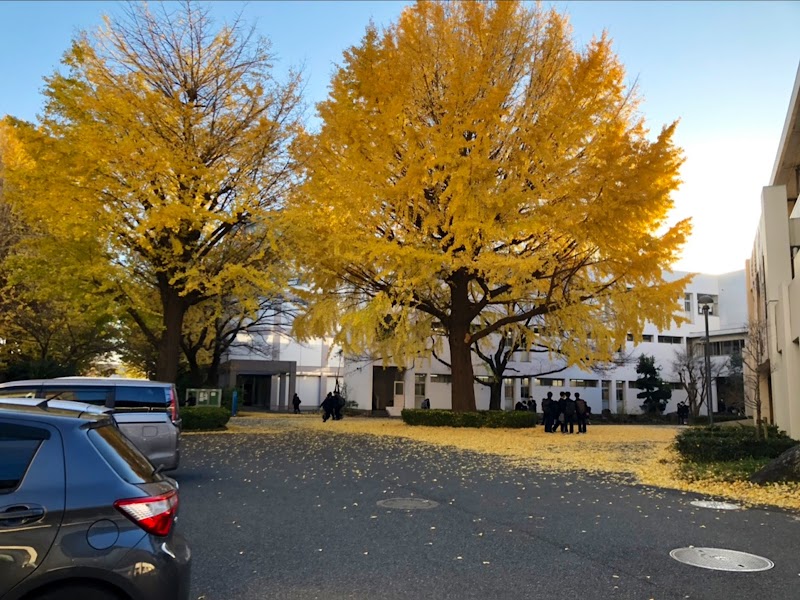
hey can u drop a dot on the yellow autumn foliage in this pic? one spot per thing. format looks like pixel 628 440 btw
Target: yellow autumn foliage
pixel 165 140
pixel 475 173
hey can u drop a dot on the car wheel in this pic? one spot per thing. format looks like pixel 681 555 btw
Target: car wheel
pixel 81 592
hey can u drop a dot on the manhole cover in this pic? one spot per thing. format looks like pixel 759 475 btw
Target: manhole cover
pixel 407 503
pixel 721 560
pixel 715 505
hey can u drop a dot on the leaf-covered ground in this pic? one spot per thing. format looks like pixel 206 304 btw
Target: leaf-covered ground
pixel 643 453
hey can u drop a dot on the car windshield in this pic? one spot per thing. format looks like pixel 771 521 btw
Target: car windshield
pixel 129 463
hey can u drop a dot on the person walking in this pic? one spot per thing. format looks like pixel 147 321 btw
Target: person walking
pixel 683 413
pixel 520 406
pixel 547 413
pixel 296 404
pixel 338 405
pixel 569 415
pixel 426 404
pixel 327 407
pixel 581 412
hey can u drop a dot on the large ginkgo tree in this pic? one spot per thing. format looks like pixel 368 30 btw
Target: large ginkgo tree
pixel 476 172
pixel 164 140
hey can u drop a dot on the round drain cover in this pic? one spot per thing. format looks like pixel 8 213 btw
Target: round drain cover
pixel 718 559
pixel 715 505
pixel 407 503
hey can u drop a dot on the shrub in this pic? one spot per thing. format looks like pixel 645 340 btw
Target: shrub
pixel 205 417
pixel 715 444
pixel 448 418
pixel 652 419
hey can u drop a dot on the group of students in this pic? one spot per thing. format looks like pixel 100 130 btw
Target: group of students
pixel 332 406
pixel 564 413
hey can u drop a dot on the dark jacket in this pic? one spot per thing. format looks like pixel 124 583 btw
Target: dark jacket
pixel 569 408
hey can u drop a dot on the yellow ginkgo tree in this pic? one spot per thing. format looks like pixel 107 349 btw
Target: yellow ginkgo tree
pixel 166 140
pixel 476 173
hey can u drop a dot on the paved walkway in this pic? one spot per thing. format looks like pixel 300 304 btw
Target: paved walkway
pixel 295 514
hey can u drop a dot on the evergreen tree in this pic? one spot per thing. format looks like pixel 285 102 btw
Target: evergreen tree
pixel 657 392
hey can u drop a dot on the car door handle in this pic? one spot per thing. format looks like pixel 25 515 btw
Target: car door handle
pixel 16 515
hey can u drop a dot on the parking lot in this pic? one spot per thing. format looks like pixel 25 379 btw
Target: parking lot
pixel 293 513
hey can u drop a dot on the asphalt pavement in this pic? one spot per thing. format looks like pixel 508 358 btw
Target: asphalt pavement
pixel 294 514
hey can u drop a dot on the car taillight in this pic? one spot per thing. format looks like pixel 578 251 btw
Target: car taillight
pixel 173 405
pixel 154 514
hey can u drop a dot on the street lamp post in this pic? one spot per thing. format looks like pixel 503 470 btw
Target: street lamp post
pixel 708 369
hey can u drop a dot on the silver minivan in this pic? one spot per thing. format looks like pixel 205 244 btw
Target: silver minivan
pixel 146 411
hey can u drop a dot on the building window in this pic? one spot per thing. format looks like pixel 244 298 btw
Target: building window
pixel 605 394
pixel 509 388
pixel 726 348
pixel 441 378
pixel 712 301
pixel 620 400
pixel 584 383
pixel 647 338
pixel 551 382
pixel 687 303
pixel 525 390
pixel 670 339
pixel 630 337
pixel 632 385
pixel 419 384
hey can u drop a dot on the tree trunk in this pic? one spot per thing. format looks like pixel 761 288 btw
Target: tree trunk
pixel 463 391
pixel 759 425
pixel 169 347
pixel 212 373
pixel 496 390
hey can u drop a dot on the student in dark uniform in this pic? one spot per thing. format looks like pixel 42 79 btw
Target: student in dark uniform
pixel 546 413
pixel 581 412
pixel 338 405
pixel 561 423
pixel 327 407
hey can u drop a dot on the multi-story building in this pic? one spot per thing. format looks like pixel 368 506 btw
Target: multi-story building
pixel 270 377
pixel 612 388
pixel 773 274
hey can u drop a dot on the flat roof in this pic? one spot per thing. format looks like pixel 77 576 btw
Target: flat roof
pixel 788 158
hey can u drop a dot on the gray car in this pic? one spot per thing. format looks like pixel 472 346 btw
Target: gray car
pixel 146 411
pixel 83 514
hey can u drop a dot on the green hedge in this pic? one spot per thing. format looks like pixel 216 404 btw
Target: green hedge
pixel 448 418
pixel 204 417
pixel 714 444
pixel 650 419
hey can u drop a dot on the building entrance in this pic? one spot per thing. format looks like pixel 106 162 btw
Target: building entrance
pixel 256 390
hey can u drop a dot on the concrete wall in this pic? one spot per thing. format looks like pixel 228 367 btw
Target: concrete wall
pixel 778 302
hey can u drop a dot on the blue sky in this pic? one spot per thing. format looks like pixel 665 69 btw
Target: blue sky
pixel 725 69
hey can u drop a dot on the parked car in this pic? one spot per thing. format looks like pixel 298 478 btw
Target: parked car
pixel 146 411
pixel 83 514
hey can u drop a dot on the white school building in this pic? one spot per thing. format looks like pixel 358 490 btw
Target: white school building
pixel 774 279
pixel 270 377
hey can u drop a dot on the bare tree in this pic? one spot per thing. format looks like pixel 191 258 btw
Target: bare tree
pixel 689 366
pixel 757 367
